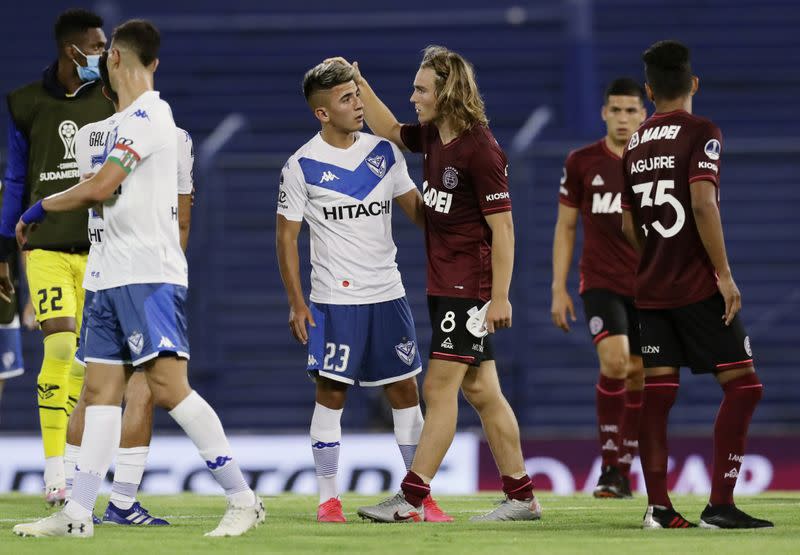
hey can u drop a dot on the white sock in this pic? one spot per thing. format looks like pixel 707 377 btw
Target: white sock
pixel 326 439
pixel 203 427
pixel 407 429
pixel 100 441
pixel 54 472
pixel 71 453
pixel 128 475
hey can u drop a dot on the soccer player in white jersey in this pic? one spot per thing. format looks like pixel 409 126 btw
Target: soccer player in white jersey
pixel 137 418
pixel 343 183
pixel 137 317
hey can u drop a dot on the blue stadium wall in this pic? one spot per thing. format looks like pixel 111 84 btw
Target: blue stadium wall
pixel 555 56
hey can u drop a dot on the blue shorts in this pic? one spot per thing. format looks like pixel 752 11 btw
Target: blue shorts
pixel 11 364
pixel 132 324
pixel 374 344
pixel 87 302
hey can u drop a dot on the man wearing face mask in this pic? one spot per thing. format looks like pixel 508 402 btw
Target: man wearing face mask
pixel 44 119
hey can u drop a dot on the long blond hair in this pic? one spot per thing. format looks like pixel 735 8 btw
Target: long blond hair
pixel 457 97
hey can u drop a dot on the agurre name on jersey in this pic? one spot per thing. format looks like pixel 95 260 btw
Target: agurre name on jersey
pixel 351 211
pixel 654 163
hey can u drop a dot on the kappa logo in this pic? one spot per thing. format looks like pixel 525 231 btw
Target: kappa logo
pixel 141 114
pixel 733 473
pixel 377 165
pixel 66 132
pixel 610 446
pixel 447 344
pixel 712 149
pixel 598 181
pixel 219 463
pixel 406 351
pixel 166 343
pixel 47 390
pixel 312 361
pixel 595 325
pixel 450 177
pixel 136 342
pixel 328 176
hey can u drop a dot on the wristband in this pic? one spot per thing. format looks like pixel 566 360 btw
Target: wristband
pixel 34 214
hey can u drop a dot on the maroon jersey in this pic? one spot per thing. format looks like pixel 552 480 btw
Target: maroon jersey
pixel 465 180
pixel 593 183
pixel 668 153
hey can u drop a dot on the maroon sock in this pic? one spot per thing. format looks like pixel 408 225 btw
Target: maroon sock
pixel 518 488
pixel 629 431
pixel 414 489
pixel 730 434
pixel 659 396
pixel 610 406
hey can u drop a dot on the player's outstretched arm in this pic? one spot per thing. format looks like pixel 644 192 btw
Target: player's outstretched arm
pixel 87 193
pixel 411 204
pixel 377 115
pixel 709 227
pixel 286 235
pixel 499 314
pixel 563 246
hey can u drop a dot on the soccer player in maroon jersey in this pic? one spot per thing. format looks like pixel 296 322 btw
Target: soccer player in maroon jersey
pixel 688 301
pixel 591 187
pixel 469 236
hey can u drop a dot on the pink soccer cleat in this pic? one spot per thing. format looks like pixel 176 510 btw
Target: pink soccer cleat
pixel 433 513
pixel 331 511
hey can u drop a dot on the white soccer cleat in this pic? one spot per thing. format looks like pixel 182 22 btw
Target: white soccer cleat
pixel 512 509
pixel 58 524
pixel 476 324
pixel 238 520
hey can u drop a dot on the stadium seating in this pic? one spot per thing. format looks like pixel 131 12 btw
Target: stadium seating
pixel 243 359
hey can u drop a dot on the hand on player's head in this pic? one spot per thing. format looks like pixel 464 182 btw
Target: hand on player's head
pixel 338 59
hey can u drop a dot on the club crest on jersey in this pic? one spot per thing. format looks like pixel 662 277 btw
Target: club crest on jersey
pixel 406 351
pixel 712 149
pixel 377 165
pixel 595 325
pixel 8 359
pixel 450 177
pixel 634 142
pixel 136 342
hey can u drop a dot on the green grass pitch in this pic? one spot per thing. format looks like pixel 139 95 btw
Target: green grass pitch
pixel 577 524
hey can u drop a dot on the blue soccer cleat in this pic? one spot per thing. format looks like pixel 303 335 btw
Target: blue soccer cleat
pixel 135 516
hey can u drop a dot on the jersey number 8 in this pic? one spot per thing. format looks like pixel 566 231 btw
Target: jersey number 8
pixel 662 197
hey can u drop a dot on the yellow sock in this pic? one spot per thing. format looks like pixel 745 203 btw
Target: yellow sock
pixel 74 385
pixel 52 385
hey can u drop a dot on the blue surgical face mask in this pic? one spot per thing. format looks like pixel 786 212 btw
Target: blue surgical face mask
pixel 90 72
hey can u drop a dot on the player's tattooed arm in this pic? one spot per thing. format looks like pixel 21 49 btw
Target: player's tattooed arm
pixel 499 313
pixel 632 231
pixel 286 235
pixel 709 227
pixel 411 204
pixel 563 246
pixel 378 116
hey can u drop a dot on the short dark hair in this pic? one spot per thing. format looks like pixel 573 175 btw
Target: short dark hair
pixel 667 68
pixel 624 86
pixel 103 66
pixel 73 22
pixel 141 36
pixel 325 76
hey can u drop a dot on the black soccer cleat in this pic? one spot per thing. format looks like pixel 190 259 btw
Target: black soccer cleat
pixel 609 486
pixel 657 517
pixel 625 487
pixel 730 516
